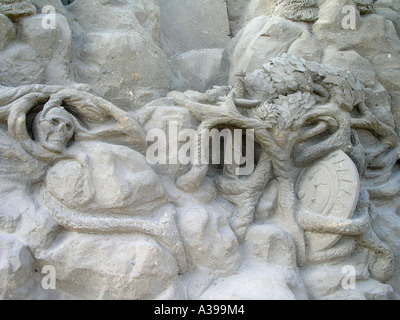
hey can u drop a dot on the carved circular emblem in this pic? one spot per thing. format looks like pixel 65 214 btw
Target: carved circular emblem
pixel 331 188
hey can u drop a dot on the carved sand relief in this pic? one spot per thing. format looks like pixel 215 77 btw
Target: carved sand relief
pixel 314 105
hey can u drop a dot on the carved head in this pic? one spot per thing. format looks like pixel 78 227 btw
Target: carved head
pixel 54 129
pixel 307 105
pixel 297 10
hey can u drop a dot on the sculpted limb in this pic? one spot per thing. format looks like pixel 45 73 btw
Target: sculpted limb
pixel 244 194
pixel 162 229
pixel 382 262
pixel 381 265
pixel 349 227
pixel 356 226
pixel 343 249
pixel 368 121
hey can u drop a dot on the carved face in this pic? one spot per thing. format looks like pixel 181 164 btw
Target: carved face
pixel 55 130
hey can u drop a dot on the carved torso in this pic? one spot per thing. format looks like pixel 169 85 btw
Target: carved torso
pixel 111 179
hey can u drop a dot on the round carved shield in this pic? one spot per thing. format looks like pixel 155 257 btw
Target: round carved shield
pixel 330 188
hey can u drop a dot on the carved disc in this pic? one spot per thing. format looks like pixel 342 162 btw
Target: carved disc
pixel 330 188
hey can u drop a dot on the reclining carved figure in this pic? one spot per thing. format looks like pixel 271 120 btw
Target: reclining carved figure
pixel 92 178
